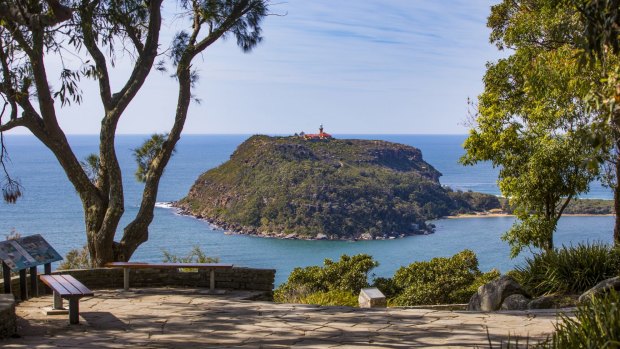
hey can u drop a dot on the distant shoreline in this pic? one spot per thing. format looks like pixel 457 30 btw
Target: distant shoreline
pixel 498 215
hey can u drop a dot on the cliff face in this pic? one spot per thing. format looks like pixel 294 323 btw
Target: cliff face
pixel 335 189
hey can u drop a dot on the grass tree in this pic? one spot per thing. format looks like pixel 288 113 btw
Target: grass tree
pixel 99 30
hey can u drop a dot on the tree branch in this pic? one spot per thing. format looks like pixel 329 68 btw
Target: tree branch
pixel 103 77
pixel 12 124
pixel 14 13
pixel 145 60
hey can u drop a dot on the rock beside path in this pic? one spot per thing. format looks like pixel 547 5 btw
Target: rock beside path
pixel 600 289
pixel 491 296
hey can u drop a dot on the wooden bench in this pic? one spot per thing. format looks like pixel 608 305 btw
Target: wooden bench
pixel 138 265
pixel 66 286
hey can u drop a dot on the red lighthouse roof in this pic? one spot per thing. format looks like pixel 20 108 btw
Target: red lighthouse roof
pixel 320 135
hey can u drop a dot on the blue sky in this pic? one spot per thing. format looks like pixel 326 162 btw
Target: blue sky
pixel 379 66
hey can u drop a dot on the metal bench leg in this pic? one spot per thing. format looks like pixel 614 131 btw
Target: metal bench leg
pixel 212 280
pixel 74 311
pixel 126 278
pixel 57 302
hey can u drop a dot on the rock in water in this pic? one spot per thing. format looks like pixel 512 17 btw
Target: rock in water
pixel 341 188
pixel 491 296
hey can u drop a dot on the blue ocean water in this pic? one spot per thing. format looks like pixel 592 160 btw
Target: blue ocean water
pixel 51 207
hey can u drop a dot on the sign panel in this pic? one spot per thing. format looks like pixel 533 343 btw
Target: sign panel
pixel 27 252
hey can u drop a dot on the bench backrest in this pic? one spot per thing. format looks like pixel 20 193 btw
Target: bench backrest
pixel 139 265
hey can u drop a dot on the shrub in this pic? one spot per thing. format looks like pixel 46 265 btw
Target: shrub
pixel 387 286
pixel 463 295
pixel 333 297
pixel 76 259
pixel 596 325
pixel 572 269
pixel 439 281
pixel 349 274
pixel 196 255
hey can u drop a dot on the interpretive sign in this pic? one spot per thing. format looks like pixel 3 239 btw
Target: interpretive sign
pixel 27 252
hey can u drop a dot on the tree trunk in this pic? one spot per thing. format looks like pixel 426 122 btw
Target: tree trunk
pixel 616 133
pixel 617 196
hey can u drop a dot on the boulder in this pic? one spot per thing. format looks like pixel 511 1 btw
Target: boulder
pixel 491 296
pixel 543 302
pixel 515 302
pixel 600 289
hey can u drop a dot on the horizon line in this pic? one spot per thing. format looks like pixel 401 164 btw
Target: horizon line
pixel 252 134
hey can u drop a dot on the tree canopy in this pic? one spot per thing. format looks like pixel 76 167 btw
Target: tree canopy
pixel 99 31
pixel 535 118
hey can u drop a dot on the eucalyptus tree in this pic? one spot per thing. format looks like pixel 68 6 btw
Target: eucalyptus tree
pixel 600 20
pixel 534 117
pixel 100 30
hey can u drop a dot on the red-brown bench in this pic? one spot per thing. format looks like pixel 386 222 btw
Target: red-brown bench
pixel 66 286
pixel 138 265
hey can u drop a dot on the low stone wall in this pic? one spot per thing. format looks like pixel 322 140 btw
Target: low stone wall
pixel 233 279
pixel 7 315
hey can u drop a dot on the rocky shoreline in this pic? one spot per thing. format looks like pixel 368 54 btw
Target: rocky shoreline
pixel 233 229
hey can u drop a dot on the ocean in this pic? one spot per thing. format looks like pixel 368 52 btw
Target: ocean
pixel 51 207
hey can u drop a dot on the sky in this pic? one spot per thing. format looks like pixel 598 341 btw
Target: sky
pixel 357 67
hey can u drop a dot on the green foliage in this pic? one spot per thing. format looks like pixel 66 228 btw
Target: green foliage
pixel 438 281
pixel 333 297
pixel 388 287
pixel 534 120
pixel 347 275
pixel 77 259
pixel 146 153
pixel 196 255
pixel 463 295
pixel 596 325
pixel 573 269
pixel 590 206
pixel 469 201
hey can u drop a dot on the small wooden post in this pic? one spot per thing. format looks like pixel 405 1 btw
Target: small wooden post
pixel 33 282
pixel 23 288
pixel 6 273
pixel 126 278
pixel 212 279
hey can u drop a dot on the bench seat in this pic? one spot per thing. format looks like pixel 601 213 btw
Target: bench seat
pixel 66 286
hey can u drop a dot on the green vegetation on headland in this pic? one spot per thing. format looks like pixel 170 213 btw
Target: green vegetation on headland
pixel 575 207
pixel 330 189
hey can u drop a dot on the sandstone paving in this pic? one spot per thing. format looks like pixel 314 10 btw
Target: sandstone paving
pixel 189 318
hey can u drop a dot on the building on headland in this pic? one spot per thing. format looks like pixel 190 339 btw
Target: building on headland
pixel 320 135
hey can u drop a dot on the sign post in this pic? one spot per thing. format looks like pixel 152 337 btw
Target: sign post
pixel 26 253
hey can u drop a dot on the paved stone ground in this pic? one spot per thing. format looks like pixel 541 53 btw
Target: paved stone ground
pixel 187 318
